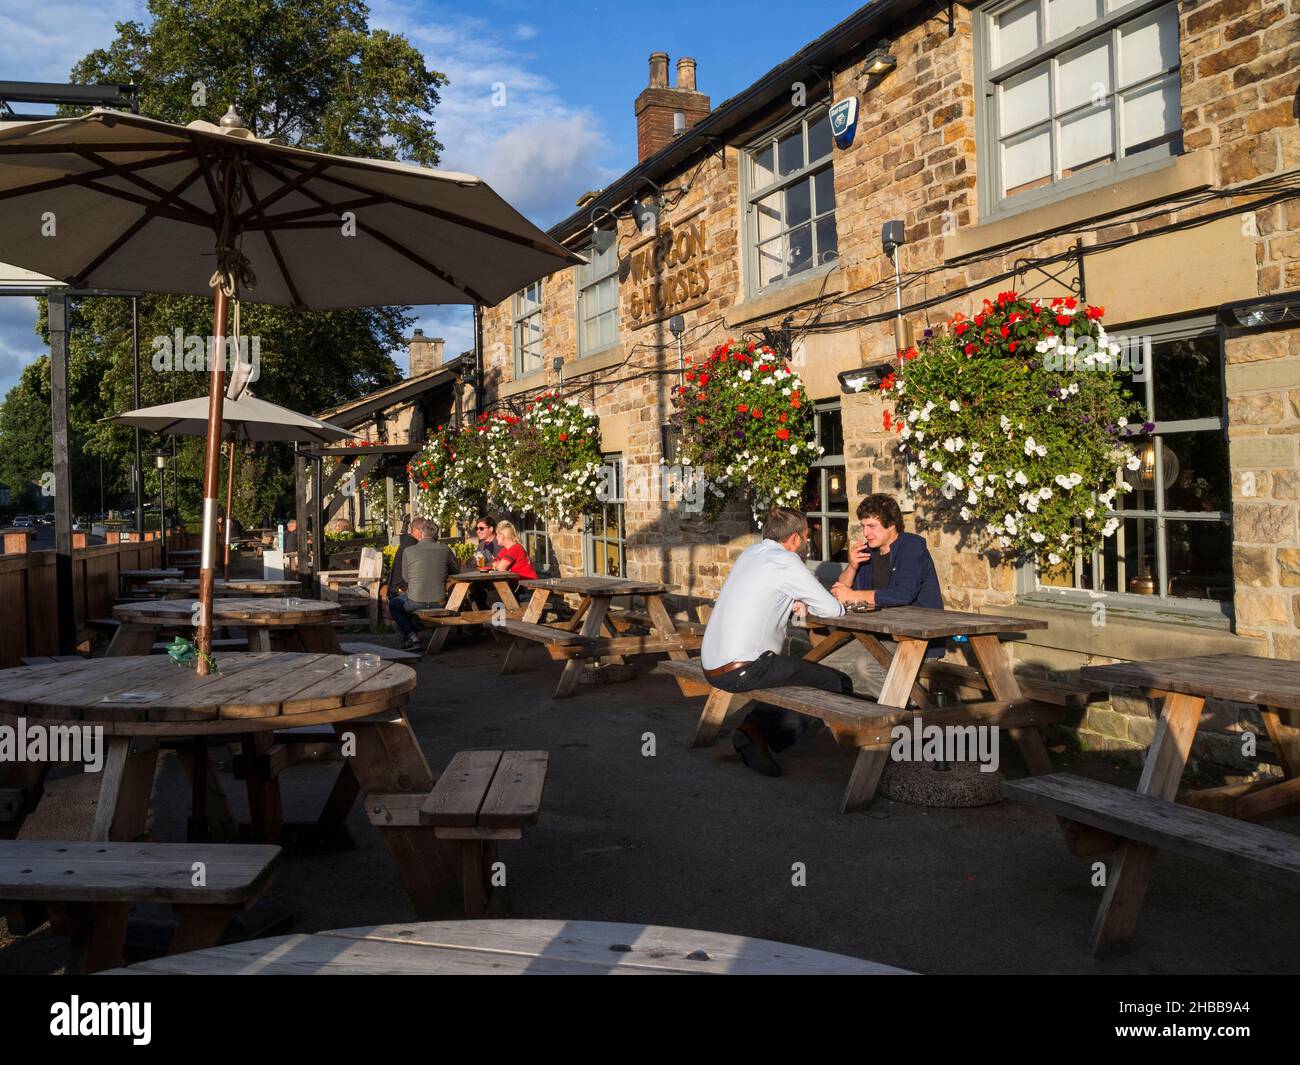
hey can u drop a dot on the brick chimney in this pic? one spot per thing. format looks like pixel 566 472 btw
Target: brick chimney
pixel 425 353
pixel 659 105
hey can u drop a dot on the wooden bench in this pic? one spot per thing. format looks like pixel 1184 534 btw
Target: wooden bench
pixel 622 620
pixel 1160 825
pixel 480 798
pixel 89 888
pixel 45 660
pixel 854 722
pixel 529 630
pixel 1058 693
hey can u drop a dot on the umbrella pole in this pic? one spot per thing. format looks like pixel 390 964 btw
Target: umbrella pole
pixel 211 477
pixel 230 500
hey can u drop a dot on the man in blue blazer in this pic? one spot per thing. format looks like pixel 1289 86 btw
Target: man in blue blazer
pixel 889 567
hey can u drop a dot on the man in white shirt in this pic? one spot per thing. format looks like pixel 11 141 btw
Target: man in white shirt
pixel 746 634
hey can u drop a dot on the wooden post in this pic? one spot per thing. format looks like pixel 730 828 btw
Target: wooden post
pixel 64 595
pixel 211 478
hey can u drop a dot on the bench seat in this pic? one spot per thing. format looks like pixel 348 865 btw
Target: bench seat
pixel 89 889
pixel 529 630
pixel 1168 826
pixel 482 797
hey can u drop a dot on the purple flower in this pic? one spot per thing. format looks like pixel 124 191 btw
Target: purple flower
pixel 928 334
pixel 740 432
pixel 1148 427
pixel 1086 419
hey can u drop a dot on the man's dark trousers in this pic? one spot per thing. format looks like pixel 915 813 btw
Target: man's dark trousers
pixel 781 727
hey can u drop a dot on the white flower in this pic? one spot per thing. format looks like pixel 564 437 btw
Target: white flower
pixel 965 514
pixel 972 497
pixel 794 449
pixel 953 405
pixel 989 491
pixel 1110 527
pixel 1121 422
pixel 1133 462
pixel 1054 558
pixel 1020 478
pixel 977 457
pixel 1037 537
pixel 1005 422
pixel 1088 513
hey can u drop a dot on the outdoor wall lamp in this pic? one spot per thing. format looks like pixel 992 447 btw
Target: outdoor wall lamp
pixel 160 459
pixel 1261 314
pixel 601 238
pixel 856 380
pixel 879 62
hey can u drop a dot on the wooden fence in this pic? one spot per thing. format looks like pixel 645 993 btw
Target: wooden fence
pixel 29 623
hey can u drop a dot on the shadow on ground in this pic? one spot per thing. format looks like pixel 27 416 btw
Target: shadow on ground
pixel 691 838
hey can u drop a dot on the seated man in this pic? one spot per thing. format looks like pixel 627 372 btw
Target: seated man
pixel 889 567
pixel 746 632
pixel 425 567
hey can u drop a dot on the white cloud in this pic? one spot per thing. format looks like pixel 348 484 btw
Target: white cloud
pixel 41 42
pixel 535 149
pixel 525 32
pixel 19 344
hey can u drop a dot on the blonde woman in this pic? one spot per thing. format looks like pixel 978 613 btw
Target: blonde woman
pixel 511 556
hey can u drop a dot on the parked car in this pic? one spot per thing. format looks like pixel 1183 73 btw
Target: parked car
pixel 22 522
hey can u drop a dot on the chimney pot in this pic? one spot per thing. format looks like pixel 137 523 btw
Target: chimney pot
pixel 658 70
pixel 686 74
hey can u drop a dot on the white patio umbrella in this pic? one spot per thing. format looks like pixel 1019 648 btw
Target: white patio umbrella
pixel 113 200
pixel 244 419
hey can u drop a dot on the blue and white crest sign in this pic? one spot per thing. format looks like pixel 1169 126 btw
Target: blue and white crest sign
pixel 844 120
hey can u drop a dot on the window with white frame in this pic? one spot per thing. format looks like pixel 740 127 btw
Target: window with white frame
pixel 526 314
pixel 1073 92
pixel 535 538
pixel 598 300
pixel 826 492
pixel 605 529
pixel 1172 549
pixel 790 201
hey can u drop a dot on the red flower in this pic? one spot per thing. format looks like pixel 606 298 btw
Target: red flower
pixel 1005 331
pixel 704 379
pixel 700 419
pixel 783 434
pixel 887 382
pixel 1071 303
pixel 564 436
pixel 911 353
pixel 1064 319
pixel 969 349
pixel 756 413
pixel 742 408
pixel 1012 346
pixel 1093 313
pixel 888 422
pixel 781 417
pixel 794 402
pixel 960 328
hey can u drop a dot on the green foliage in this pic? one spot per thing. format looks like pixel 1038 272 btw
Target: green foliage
pixel 747 428
pixel 1017 421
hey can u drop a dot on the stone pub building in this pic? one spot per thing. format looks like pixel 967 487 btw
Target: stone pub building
pixel 1143 156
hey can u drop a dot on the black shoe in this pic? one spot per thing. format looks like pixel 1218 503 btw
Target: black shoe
pixel 753 751
pixel 411 643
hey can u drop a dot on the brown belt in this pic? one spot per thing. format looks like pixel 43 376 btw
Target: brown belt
pixel 728 668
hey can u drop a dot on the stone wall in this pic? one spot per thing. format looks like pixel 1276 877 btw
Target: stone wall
pixel 914 159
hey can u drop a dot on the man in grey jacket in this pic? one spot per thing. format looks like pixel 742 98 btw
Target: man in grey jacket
pixel 425 567
pixel 745 636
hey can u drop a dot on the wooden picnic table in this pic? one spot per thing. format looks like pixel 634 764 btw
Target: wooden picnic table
pixel 176 588
pixel 132 581
pixel 514 948
pixel 285 624
pixel 143 699
pixel 1180 686
pixel 911 628
pixel 460 607
pixel 588 633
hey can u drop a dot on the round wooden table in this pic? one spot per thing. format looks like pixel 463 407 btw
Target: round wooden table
pixel 514 948
pixel 130 703
pixel 188 589
pixel 286 624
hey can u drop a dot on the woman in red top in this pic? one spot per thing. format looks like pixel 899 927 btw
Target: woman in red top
pixel 511 556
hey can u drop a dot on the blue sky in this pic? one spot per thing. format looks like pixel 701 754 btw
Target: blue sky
pixel 571 72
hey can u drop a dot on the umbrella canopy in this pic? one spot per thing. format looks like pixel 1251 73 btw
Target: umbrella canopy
pixel 246 418
pixel 118 201
pixel 136 204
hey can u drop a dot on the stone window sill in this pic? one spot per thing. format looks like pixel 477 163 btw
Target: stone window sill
pixel 785 296
pixel 1180 174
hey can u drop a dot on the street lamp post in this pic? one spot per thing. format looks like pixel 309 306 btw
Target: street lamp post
pixel 160 461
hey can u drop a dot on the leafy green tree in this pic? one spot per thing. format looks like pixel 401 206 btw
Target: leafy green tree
pixel 314 74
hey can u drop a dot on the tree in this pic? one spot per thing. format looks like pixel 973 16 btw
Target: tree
pixel 314 74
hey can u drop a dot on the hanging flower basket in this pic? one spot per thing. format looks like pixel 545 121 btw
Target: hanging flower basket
pixel 555 465
pixel 747 428
pixel 546 462
pixel 1018 420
